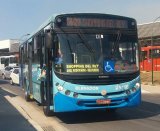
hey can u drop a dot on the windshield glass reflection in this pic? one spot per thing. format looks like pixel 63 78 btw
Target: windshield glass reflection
pixel 96 53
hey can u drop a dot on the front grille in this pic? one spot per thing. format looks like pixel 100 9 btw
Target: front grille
pixel 98 80
pixel 92 103
pixel 99 94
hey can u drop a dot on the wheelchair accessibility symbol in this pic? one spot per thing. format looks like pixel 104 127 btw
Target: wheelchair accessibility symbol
pixel 109 66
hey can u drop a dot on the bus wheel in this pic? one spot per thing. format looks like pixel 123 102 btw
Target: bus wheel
pixel 27 96
pixel 47 111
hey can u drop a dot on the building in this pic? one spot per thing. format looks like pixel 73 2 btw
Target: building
pixel 148 32
pixel 9 47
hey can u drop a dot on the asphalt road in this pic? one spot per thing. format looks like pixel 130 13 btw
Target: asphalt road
pixel 145 117
pixel 10 118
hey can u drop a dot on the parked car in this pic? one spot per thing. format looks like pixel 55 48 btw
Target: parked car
pixel 1 71
pixel 7 71
pixel 14 77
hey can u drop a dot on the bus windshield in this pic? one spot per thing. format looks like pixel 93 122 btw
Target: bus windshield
pixel 97 53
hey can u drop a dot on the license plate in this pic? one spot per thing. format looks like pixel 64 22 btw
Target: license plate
pixel 100 101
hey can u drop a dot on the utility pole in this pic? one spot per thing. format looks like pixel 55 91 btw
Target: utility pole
pixel 152 41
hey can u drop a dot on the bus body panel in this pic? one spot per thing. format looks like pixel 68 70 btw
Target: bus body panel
pixel 88 94
pixel 36 83
pixel 146 65
pixel 35 89
pixel 36 92
pixel 65 96
pixel 146 61
pixel 65 104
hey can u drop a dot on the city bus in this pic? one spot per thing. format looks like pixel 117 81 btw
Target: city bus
pixel 91 62
pixel 11 60
pixel 147 54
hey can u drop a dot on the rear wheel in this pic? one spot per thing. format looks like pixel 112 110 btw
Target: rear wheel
pixel 47 111
pixel 27 96
pixel 46 105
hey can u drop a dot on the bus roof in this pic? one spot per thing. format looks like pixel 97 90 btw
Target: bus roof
pixel 149 47
pixel 52 18
pixel 47 22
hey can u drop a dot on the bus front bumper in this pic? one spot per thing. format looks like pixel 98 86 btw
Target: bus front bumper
pixel 63 103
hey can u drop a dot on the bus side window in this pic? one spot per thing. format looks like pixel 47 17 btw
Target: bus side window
pixel 2 60
pixel 156 53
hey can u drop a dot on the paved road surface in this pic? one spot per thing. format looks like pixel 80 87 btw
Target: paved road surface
pixel 10 118
pixel 145 117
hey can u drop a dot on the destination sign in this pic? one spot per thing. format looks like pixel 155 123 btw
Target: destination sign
pixel 95 22
pixel 81 68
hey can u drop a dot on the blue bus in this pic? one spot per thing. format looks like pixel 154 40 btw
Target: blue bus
pixel 91 62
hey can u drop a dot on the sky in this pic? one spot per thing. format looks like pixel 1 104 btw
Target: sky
pixel 21 17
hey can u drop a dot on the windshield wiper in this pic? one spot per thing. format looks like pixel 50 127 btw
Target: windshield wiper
pixel 116 44
pixel 91 50
pixel 85 43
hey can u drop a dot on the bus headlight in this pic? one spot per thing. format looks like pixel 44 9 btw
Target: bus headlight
pixel 137 86
pixel 60 88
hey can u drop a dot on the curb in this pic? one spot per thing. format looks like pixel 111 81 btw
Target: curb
pixel 34 114
pixel 25 115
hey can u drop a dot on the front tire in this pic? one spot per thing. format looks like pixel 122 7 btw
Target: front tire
pixel 27 97
pixel 47 111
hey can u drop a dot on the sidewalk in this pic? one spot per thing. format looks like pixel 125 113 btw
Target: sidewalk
pixel 32 112
pixel 154 89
